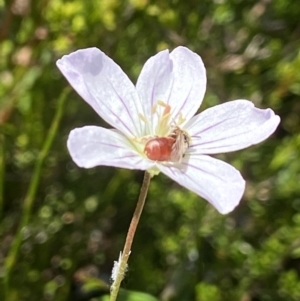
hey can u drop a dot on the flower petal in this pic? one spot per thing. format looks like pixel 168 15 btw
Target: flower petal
pixel 214 180
pixel 91 146
pixel 177 79
pixel 230 126
pixel 105 87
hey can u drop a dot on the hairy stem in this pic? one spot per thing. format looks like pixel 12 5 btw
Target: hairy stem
pixel 129 239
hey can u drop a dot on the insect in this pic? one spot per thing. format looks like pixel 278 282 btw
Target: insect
pixel 170 148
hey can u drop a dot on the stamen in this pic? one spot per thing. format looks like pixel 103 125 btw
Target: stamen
pixel 154 109
pixel 167 107
pixel 143 118
pixel 165 125
pixel 163 118
pixel 181 119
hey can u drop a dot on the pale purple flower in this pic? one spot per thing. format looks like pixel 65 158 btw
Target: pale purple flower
pixel 168 93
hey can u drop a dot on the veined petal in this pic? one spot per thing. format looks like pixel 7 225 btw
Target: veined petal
pixel 214 180
pixel 230 126
pixel 92 146
pixel 153 84
pixel 105 87
pixel 189 83
pixel 177 79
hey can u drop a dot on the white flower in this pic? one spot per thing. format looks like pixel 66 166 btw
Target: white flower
pixel 168 93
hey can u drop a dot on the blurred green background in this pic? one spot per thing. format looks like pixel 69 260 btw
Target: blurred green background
pixel 61 227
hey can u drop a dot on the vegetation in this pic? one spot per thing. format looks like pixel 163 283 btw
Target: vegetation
pixel 62 227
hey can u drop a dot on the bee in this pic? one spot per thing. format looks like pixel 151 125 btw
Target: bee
pixel 170 148
pixel 182 143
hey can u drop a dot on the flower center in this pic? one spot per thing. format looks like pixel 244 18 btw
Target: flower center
pixel 169 142
pixel 161 122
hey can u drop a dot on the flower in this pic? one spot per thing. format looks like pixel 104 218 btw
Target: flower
pixel 156 117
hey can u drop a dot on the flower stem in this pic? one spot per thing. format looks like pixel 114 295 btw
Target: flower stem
pixel 130 235
pixel 32 189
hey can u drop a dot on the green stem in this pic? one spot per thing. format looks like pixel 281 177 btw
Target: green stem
pixel 2 172
pixel 32 189
pixel 129 239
